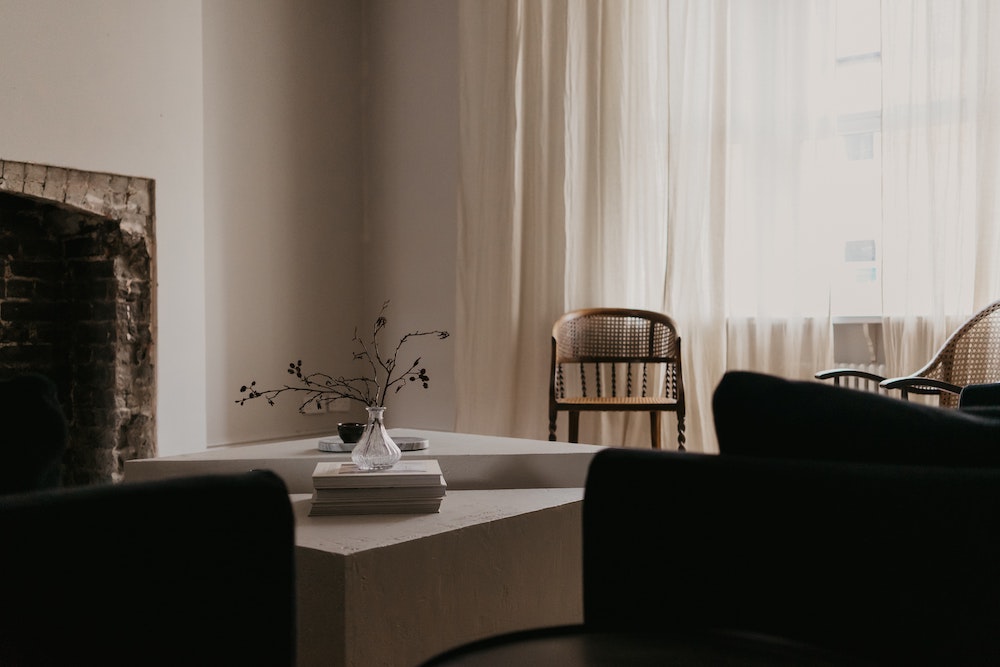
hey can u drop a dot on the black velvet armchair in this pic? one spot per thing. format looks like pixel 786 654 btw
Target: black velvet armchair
pixel 879 563
pixel 183 571
pixel 763 415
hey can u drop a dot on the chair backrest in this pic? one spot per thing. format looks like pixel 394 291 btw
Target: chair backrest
pixel 884 562
pixel 970 355
pixel 184 571
pixel 608 352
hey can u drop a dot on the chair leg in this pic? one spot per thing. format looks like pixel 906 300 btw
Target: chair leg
pixel 654 429
pixel 574 426
pixel 552 424
pixel 681 439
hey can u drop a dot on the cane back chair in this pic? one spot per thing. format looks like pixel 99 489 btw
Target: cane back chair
pixel 970 355
pixel 616 360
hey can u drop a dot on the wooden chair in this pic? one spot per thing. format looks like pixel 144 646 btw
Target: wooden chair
pixel 616 360
pixel 971 355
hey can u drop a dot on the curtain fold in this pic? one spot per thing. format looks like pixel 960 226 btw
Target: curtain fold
pixel 616 188
pixel 941 144
pixel 697 164
pixel 779 195
pixel 536 237
pixel 510 237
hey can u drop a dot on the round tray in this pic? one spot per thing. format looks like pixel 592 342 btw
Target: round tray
pixel 404 442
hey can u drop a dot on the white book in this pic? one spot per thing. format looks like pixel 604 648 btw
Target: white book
pixel 336 474
pixel 380 493
pixel 424 506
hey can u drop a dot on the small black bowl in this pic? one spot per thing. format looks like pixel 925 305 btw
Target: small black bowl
pixel 350 431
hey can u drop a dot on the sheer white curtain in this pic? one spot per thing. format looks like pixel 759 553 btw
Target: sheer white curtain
pixel 604 163
pixel 563 193
pixel 941 146
pixel 512 210
pixel 751 148
pixel 780 188
pixel 695 279
pixel 683 156
pixel 616 180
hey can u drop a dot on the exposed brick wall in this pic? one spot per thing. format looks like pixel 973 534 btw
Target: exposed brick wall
pixel 77 290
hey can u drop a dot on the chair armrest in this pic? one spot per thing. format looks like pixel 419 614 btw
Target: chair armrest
pixel 920 385
pixel 836 373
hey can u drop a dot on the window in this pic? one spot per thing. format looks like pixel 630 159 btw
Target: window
pixel 856 286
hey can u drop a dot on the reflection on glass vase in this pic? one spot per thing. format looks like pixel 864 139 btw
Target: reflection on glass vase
pixel 376 450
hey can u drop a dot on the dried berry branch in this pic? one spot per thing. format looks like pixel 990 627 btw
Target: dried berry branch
pixel 372 390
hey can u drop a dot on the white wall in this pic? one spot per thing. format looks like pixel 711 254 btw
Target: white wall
pixel 305 101
pixel 116 86
pixel 411 205
pixel 283 202
pixel 266 250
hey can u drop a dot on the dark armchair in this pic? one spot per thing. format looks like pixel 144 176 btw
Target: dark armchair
pixel 806 419
pixel 184 571
pixel 693 558
pixel 891 564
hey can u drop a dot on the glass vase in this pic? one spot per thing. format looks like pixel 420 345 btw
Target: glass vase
pixel 376 450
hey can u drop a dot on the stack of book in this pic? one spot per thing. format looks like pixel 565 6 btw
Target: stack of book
pixel 409 487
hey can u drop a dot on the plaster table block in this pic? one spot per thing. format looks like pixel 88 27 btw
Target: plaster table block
pixel 395 590
pixel 504 553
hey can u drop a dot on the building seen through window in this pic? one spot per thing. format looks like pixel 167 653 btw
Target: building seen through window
pixel 856 172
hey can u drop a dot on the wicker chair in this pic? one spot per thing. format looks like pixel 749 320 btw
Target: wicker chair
pixel 616 359
pixel 971 355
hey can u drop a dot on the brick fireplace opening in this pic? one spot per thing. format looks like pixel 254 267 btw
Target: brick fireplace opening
pixel 77 304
